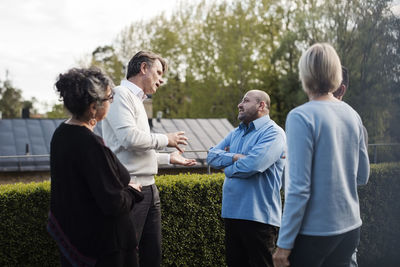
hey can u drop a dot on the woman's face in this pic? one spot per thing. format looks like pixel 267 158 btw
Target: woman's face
pixel 103 110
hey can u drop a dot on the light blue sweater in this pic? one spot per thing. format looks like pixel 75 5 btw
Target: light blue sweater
pixel 252 185
pixel 327 159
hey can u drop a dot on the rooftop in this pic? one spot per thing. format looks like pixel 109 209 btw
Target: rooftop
pixel 25 143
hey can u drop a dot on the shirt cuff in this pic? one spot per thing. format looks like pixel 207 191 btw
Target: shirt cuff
pixel 163 158
pixel 162 141
pixel 228 171
pixel 285 245
pixel 227 159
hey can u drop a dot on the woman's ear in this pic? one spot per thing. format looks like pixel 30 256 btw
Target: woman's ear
pixel 92 106
pixel 92 109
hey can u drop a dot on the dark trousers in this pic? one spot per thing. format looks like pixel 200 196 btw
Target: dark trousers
pixel 146 216
pixel 324 251
pixel 249 243
pixel 115 259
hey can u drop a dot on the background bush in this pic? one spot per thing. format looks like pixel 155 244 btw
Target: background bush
pixel 192 228
pixel 192 231
pixel 380 212
pixel 23 216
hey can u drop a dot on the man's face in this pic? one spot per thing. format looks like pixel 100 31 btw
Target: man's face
pixel 153 77
pixel 248 108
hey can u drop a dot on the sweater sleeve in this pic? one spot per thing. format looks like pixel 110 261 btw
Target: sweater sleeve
pixel 123 117
pixel 298 183
pixel 101 174
pixel 363 162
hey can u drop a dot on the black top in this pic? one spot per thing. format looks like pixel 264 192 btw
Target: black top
pixel 90 196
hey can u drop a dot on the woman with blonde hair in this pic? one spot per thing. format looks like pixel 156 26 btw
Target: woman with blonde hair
pixel 327 159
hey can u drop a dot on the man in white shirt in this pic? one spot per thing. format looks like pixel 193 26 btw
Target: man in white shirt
pixel 127 132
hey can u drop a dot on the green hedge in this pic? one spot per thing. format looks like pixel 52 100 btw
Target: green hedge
pixel 23 237
pixel 192 228
pixel 380 212
pixel 193 233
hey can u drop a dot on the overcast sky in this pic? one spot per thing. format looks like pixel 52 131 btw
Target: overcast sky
pixel 41 38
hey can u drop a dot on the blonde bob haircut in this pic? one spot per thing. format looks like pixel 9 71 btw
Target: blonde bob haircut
pixel 320 70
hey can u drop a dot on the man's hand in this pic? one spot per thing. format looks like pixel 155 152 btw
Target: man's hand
pixel 177 158
pixel 281 257
pixel 138 187
pixel 175 139
pixel 236 157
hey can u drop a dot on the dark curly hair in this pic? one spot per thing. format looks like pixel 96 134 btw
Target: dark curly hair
pixel 139 58
pixel 78 88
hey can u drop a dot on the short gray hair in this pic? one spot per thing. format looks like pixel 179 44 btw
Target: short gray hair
pixel 78 88
pixel 320 69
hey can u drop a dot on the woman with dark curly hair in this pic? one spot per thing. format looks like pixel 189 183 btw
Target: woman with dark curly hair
pixel 91 193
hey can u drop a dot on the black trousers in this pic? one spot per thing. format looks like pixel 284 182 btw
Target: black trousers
pixel 115 259
pixel 249 243
pixel 324 251
pixel 146 216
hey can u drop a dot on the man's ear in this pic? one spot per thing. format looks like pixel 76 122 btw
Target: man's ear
pixel 262 105
pixel 341 91
pixel 143 67
pixel 344 90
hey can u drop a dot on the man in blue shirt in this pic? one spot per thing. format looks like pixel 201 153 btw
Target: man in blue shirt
pixel 253 158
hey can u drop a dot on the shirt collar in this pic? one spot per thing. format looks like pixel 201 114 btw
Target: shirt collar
pixel 256 124
pixel 134 88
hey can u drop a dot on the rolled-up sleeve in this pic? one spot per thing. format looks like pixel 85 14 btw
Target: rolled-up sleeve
pixel 266 152
pixel 218 157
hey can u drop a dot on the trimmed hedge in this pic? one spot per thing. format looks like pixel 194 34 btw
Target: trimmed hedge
pixel 193 232
pixel 23 216
pixel 192 228
pixel 380 213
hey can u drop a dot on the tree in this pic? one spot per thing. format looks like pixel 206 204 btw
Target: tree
pixel 10 100
pixel 217 51
pixel 57 112
pixel 374 70
pixel 105 58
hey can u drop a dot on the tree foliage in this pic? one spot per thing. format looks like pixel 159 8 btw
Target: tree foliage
pixel 11 102
pixel 217 51
pixel 57 112
pixel 105 58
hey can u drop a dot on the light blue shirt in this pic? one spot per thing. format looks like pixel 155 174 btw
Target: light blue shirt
pixel 251 189
pixel 327 159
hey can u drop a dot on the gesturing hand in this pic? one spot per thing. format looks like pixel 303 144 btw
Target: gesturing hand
pixel 175 139
pixel 177 158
